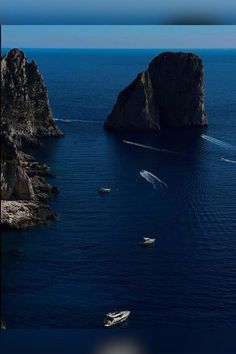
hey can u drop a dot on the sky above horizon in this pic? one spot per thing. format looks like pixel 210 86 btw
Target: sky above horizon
pixel 118 36
pixel 120 12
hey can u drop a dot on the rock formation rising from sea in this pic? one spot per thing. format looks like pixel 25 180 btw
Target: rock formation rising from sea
pixel 26 117
pixel 170 93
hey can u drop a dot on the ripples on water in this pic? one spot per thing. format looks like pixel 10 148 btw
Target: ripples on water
pixel 71 273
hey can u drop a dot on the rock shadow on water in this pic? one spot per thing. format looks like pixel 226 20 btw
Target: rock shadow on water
pixel 184 141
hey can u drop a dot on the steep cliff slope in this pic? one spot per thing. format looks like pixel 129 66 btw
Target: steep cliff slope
pixel 26 117
pixel 25 109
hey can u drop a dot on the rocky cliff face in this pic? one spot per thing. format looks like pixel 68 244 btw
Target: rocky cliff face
pixel 26 117
pixel 25 109
pixel 170 93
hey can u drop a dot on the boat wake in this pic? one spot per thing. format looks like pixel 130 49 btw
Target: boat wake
pixel 151 147
pixel 154 180
pixel 77 120
pixel 88 121
pixel 218 142
pixel 64 120
pixel 227 160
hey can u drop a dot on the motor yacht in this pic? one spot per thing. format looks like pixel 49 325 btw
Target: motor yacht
pixel 147 241
pixel 113 318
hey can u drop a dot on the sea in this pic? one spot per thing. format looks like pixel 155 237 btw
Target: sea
pixel 177 185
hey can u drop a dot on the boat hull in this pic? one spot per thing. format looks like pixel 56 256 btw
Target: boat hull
pixel 114 319
pixel 148 241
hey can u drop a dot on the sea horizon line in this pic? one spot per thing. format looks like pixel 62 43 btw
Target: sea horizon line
pixel 119 48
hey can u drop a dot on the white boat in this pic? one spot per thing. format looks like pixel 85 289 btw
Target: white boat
pixel 113 318
pixel 104 190
pixel 147 241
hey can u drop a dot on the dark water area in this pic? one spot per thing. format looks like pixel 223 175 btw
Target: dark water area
pixel 72 272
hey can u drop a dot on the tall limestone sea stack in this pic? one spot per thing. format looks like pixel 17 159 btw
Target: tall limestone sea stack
pixel 26 117
pixel 25 108
pixel 170 93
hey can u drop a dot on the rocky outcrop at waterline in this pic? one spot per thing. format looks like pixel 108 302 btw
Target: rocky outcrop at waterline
pixel 170 93
pixel 24 190
pixel 26 118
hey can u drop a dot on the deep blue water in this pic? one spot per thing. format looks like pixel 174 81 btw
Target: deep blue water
pixel 70 273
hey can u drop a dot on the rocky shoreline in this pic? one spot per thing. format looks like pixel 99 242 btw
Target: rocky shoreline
pixel 26 118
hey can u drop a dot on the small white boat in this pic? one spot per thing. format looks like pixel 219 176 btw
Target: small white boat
pixel 104 190
pixel 113 318
pixel 147 241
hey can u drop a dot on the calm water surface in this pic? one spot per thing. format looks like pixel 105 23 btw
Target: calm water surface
pixel 69 274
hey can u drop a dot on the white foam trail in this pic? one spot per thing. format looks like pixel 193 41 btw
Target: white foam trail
pixel 151 147
pixel 78 120
pixel 154 180
pixel 64 120
pixel 227 160
pixel 88 121
pixel 218 142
